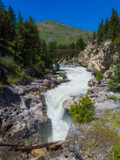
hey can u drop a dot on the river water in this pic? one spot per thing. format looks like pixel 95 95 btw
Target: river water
pixel 77 86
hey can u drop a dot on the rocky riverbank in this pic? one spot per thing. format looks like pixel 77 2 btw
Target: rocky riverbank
pixel 96 58
pixel 95 139
pixel 23 115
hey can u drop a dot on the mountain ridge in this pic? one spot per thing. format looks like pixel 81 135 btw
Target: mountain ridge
pixel 61 33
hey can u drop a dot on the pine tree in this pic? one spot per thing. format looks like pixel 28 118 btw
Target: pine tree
pixel 106 30
pixel 20 18
pixel 31 20
pixel 100 32
pixel 1 5
pixel 27 43
pixel 80 45
pixel 114 24
pixel 12 18
pixel 5 24
pixel 94 35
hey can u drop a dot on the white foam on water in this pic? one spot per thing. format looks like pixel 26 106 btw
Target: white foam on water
pixel 77 86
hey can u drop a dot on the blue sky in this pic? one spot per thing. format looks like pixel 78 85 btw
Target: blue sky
pixel 83 14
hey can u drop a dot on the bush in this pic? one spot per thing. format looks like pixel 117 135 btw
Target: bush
pixel 99 76
pixel 97 51
pixel 62 74
pixel 116 153
pixel 83 111
pixel 15 72
pixel 115 42
pixel 114 82
pixel 112 98
pixel 10 64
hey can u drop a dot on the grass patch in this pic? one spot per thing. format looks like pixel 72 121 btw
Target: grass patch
pixel 115 121
pixel 107 135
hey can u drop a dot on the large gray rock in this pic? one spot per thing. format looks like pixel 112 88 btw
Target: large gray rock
pixel 23 110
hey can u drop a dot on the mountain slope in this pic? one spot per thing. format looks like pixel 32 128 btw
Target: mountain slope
pixel 63 34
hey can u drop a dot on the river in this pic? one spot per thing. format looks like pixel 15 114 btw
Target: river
pixel 77 86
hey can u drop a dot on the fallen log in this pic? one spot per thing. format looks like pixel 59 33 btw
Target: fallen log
pixel 52 145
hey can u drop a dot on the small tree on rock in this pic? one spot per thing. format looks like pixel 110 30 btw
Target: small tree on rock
pixel 83 111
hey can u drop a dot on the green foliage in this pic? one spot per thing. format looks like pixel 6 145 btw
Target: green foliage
pixel 94 35
pixel 112 98
pixel 114 82
pixel 114 24
pixel 109 30
pixel 100 32
pixel 15 73
pixel 115 42
pixel 62 74
pixel 9 63
pixel 116 152
pixel 83 111
pixel 96 51
pixel 80 45
pixel 99 76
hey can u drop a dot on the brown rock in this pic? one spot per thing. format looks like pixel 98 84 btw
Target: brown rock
pixel 38 152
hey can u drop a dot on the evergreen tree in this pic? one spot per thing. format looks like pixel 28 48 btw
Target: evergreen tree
pixel 27 43
pixel 12 22
pixel 114 24
pixel 20 18
pixel 106 30
pixel 44 53
pixel 31 20
pixel 80 45
pixel 1 5
pixel 94 35
pixel 72 46
pixel 12 16
pixel 6 28
pixel 100 32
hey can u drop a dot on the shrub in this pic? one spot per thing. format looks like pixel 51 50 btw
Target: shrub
pixel 99 76
pixel 10 64
pixel 83 111
pixel 114 82
pixel 115 42
pixel 15 72
pixel 96 51
pixel 112 98
pixel 116 153
pixel 62 74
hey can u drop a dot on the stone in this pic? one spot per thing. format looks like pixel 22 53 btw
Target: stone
pixel 92 82
pixel 23 110
pixel 101 157
pixel 38 152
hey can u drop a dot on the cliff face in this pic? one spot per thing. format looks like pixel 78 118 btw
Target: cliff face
pixel 98 58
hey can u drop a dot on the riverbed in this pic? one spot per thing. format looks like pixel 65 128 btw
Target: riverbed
pixel 76 87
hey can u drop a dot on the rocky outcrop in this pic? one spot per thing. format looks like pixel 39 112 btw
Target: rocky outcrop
pixel 71 101
pixel 23 110
pixel 98 58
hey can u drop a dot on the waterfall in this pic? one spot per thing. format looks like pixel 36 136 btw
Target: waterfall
pixel 77 86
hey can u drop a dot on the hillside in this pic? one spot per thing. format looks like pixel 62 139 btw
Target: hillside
pixel 63 34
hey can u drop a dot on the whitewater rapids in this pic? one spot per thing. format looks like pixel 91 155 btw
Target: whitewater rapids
pixel 77 86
